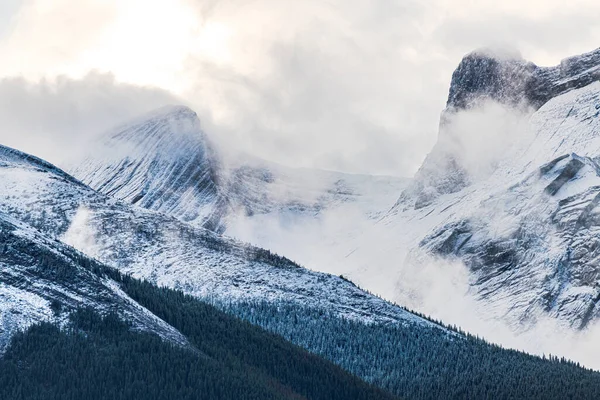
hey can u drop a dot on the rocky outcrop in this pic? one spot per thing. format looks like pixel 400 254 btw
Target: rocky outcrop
pixel 514 81
pixel 484 76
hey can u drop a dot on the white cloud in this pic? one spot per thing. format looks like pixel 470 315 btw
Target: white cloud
pixel 350 85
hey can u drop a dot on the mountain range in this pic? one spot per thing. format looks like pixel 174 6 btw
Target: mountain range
pixel 153 230
pixel 508 190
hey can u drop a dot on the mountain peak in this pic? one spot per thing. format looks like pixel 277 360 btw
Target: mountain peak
pixel 171 120
pixel 504 76
pixel 156 160
pixel 498 75
pixel 173 110
pixel 499 53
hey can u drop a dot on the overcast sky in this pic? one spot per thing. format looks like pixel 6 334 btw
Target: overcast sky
pixel 351 85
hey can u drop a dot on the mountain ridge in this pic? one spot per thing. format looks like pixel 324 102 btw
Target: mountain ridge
pixel 525 233
pixel 482 78
pixel 517 82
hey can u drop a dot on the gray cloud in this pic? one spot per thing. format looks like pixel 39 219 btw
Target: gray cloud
pixel 52 118
pixel 331 92
pixel 358 86
pixel 7 10
pixel 561 34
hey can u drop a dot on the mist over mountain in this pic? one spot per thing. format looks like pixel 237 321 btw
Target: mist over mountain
pixel 52 286
pixel 490 208
pixel 162 263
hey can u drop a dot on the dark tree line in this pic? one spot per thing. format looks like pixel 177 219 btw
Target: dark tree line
pixel 102 358
pixel 220 335
pixel 417 362
pixel 97 357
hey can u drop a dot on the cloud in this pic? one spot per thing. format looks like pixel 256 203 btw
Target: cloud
pixel 440 288
pixel 322 89
pixel 545 38
pixel 81 234
pixel 7 10
pixel 341 240
pixel 53 118
pixel 344 84
pixel 49 36
pixel 359 87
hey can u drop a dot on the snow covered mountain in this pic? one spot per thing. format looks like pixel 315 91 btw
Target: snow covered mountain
pixel 484 76
pixel 507 78
pixel 42 279
pixel 528 231
pixel 510 189
pixel 163 161
pixel 520 214
pixel 309 215
pixel 166 251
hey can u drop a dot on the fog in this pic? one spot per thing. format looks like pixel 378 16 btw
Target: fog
pixel 56 118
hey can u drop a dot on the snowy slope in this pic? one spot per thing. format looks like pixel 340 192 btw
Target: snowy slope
pixel 256 186
pixel 37 273
pixel 494 194
pixel 483 76
pixel 161 162
pixel 528 231
pixel 167 251
pixel 305 214
pixel 509 192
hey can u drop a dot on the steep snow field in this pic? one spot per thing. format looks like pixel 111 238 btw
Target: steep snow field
pixel 143 164
pixel 525 232
pixel 42 279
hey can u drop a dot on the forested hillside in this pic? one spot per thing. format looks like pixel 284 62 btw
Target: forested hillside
pixel 103 358
pixel 94 354
pixel 418 363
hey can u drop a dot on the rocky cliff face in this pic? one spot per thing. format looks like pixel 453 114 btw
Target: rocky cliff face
pixel 480 78
pixel 511 80
pixel 527 231
pixel 482 74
